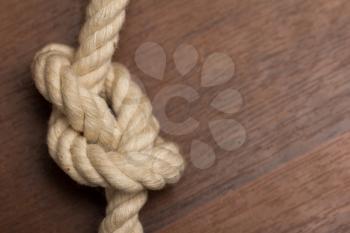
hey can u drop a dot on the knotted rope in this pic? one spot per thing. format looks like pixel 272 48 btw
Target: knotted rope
pixel 102 131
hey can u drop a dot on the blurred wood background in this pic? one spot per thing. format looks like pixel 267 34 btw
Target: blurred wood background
pixel 292 67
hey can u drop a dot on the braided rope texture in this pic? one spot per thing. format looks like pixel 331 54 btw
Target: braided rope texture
pixel 102 131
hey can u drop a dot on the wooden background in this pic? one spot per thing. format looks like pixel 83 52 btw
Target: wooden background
pixel 292 62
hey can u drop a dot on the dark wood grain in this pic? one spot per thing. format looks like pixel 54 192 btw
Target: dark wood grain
pixel 309 194
pixel 292 67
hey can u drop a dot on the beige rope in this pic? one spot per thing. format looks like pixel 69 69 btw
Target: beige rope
pixel 102 131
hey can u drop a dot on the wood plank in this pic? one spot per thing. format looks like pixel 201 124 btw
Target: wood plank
pixel 309 194
pixel 292 67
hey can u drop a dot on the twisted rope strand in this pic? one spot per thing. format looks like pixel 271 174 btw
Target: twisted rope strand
pixel 116 147
pixel 99 36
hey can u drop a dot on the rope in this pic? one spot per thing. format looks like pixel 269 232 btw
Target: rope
pixel 102 131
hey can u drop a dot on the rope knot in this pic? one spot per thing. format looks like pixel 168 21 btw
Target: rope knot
pixel 102 131
pixel 94 143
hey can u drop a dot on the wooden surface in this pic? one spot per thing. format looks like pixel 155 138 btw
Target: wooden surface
pixel 292 69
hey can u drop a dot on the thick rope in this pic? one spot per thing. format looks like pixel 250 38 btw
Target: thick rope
pixel 102 131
